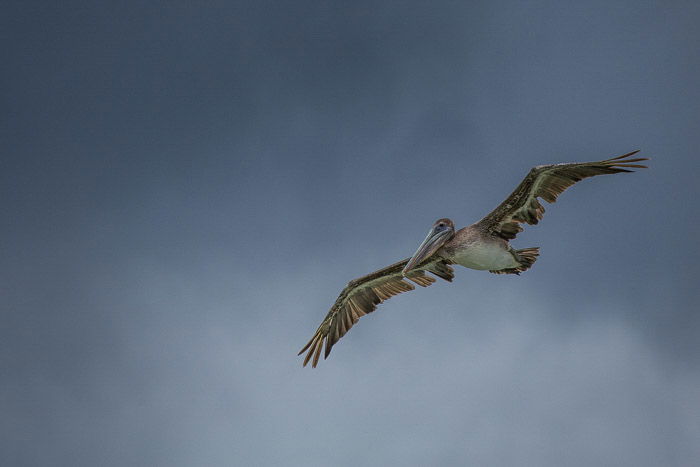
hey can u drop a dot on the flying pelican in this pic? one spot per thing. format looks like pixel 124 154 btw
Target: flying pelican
pixel 483 245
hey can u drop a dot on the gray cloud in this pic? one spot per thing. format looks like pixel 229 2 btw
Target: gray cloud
pixel 186 189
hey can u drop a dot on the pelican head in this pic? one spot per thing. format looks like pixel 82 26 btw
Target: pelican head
pixel 442 231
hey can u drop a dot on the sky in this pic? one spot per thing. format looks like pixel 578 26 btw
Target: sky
pixel 187 186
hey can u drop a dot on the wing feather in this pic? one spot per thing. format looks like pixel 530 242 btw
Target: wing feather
pixel 547 182
pixel 361 296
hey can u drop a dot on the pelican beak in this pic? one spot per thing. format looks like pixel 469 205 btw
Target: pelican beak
pixel 435 239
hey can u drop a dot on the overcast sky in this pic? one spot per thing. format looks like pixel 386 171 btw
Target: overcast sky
pixel 187 186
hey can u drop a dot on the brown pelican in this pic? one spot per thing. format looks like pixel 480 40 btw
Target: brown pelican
pixel 483 245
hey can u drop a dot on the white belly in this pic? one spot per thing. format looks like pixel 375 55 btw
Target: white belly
pixel 491 256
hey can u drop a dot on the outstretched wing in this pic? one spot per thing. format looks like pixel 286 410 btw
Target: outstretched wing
pixel 361 296
pixel 547 182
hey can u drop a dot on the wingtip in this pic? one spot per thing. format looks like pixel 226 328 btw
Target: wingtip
pixel 626 161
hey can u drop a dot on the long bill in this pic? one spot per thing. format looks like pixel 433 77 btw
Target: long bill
pixel 432 243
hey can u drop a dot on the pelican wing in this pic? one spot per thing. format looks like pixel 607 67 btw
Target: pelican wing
pixel 547 182
pixel 362 295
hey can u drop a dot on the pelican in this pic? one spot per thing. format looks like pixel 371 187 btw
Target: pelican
pixel 484 245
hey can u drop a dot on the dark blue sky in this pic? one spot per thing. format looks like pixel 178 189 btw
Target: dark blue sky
pixel 187 186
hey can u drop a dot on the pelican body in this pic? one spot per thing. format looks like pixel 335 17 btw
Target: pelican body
pixel 472 247
pixel 484 245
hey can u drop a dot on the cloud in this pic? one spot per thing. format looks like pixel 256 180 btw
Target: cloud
pixel 187 189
